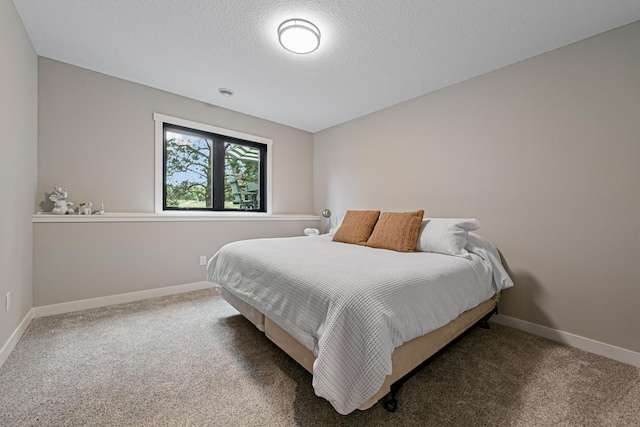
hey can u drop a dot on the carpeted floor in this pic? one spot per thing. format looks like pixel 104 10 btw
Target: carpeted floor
pixel 191 360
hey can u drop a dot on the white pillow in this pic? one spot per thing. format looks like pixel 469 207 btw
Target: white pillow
pixel 446 236
pixel 332 231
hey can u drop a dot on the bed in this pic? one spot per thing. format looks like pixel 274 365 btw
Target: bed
pixel 359 319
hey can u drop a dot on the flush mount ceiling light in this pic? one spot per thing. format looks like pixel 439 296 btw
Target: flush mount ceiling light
pixel 299 36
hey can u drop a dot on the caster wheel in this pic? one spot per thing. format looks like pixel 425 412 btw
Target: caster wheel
pixel 391 405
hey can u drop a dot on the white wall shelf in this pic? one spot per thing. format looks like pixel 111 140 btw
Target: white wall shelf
pixel 181 217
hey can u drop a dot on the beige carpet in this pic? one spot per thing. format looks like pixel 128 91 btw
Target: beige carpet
pixel 191 359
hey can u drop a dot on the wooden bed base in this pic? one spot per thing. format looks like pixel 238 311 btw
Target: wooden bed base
pixel 406 359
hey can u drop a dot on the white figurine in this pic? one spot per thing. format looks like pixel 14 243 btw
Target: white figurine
pixel 59 199
pixel 85 208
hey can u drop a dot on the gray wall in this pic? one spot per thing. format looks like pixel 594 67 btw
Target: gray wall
pixel 96 139
pixel 75 261
pixel 545 153
pixel 18 110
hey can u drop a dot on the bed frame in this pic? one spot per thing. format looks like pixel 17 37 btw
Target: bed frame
pixel 407 359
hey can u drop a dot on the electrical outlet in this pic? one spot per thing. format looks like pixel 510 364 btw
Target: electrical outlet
pixel 203 260
pixel 8 301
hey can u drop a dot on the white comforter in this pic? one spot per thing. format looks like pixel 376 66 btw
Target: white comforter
pixel 352 305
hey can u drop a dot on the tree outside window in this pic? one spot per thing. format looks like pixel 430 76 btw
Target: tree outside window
pixel 205 171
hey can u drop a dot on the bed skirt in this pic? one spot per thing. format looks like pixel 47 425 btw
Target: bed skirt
pixel 404 359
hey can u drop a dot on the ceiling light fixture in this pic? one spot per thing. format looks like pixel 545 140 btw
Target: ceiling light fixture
pixel 299 36
pixel 225 92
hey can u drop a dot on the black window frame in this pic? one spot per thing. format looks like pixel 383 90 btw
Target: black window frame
pixel 217 170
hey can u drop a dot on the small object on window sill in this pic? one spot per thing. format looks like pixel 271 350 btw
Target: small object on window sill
pixel 84 208
pixel 59 199
pixel 311 232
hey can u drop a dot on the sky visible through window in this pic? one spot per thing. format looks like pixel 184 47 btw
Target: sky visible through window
pixel 201 144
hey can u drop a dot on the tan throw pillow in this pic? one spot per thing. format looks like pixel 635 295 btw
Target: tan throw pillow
pixel 356 227
pixel 397 231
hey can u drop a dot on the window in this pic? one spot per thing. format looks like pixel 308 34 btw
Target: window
pixel 204 168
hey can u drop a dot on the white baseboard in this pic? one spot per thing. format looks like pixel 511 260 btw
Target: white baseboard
pixel 596 347
pixel 8 347
pixel 67 307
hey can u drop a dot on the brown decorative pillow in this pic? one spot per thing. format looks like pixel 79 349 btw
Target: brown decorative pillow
pixel 397 231
pixel 356 227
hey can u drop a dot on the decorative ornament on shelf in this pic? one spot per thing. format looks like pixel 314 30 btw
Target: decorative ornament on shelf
pixel 84 208
pixel 60 204
pixel 311 232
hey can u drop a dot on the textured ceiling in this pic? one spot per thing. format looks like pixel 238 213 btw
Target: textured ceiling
pixel 373 53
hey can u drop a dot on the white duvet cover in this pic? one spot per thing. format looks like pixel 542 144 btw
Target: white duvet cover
pixel 352 305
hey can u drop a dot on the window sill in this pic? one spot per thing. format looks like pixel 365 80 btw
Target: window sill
pixel 170 217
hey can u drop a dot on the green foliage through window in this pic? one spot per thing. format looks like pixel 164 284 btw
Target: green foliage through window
pixel 212 172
